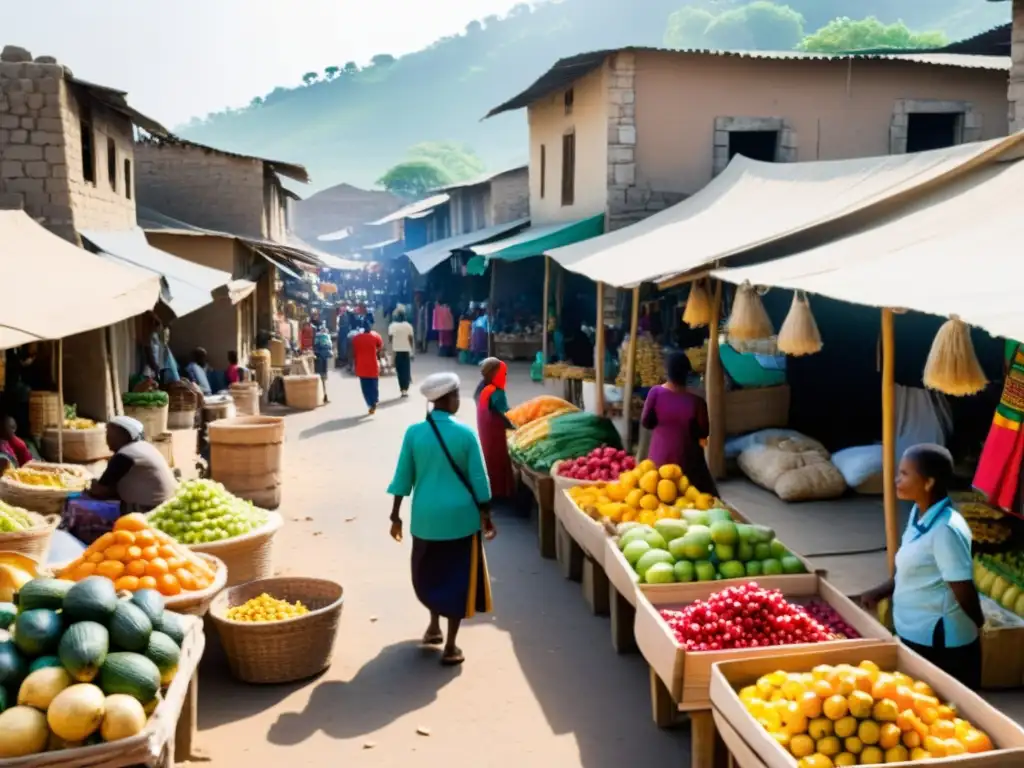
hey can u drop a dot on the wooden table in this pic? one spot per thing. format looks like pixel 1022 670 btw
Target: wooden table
pixel 542 486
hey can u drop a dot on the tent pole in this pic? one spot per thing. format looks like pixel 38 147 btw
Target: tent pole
pixel 559 290
pixel 627 398
pixel 546 313
pixel 599 352
pixel 60 401
pixel 714 390
pixel 892 533
pixel 490 308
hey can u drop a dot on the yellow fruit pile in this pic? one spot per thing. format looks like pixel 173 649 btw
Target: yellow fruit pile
pixel 78 423
pixel 46 478
pixel 650 364
pixel 645 495
pixel 845 715
pixel 267 608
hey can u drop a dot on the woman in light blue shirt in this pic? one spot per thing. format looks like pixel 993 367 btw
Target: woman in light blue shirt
pixel 442 468
pixel 935 607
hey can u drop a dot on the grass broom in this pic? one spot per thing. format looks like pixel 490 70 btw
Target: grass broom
pixel 697 313
pixel 749 320
pixel 952 367
pixel 799 334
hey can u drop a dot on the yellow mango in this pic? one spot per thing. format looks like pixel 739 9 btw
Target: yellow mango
pixel 634 497
pixel 670 472
pixel 650 502
pixel 667 491
pixel 649 482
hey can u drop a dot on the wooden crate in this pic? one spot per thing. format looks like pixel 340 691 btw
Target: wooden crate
pixel 620 573
pixel 585 531
pixel 752 747
pixel 687 674
pixel 543 489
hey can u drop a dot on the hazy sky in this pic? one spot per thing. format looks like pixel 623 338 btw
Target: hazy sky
pixel 190 57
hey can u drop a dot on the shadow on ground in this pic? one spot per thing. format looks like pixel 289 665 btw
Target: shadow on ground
pixel 349 422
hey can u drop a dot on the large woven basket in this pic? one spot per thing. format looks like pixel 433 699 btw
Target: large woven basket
pixel 35 541
pixel 42 500
pixel 303 392
pixel 246 395
pixel 246 455
pixel 280 651
pixel 153 418
pixel 43 411
pixel 80 445
pixel 248 557
pixel 181 419
pixel 198 603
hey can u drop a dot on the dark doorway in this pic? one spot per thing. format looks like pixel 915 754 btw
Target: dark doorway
pixel 757 145
pixel 932 130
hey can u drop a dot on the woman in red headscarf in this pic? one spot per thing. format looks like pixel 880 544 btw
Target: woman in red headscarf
pixel 492 423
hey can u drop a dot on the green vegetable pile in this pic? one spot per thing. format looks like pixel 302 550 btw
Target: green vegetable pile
pixel 14 519
pixel 155 399
pixel 203 511
pixel 571 435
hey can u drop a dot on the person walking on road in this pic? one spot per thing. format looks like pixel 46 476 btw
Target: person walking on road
pixel 366 349
pixel 402 344
pixel 440 465
pixel 323 348
pixel 492 424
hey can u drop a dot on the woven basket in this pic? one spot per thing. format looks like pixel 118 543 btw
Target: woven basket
pixel 246 395
pixel 80 445
pixel 153 418
pixel 181 398
pixel 43 412
pixel 165 445
pixel 247 557
pixel 198 603
pixel 277 355
pixel 181 419
pixel 246 455
pixel 280 651
pixel 34 542
pixel 44 501
pixel 303 392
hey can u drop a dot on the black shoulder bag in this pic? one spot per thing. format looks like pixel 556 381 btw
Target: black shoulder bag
pixel 451 461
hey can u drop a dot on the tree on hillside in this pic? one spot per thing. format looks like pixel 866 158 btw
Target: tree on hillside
pixel 383 60
pixel 458 162
pixel 257 101
pixel 687 28
pixel 331 72
pixel 351 68
pixel 759 26
pixel 846 34
pixel 310 77
pixel 413 178
pixel 473 27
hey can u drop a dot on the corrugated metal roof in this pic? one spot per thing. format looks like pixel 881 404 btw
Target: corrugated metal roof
pixel 411 210
pixel 481 179
pixel 382 244
pixel 569 70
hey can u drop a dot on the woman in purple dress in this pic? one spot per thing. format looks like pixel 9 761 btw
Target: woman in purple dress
pixel 678 421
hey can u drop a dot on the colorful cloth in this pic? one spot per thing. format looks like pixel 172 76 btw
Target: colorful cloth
pixel 450 577
pixel 306 336
pixel 465 333
pixel 491 424
pixel 998 473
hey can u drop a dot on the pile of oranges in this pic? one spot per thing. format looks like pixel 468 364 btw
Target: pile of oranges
pixel 136 556
pixel 844 715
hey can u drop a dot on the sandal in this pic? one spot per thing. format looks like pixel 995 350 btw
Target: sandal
pixel 452 658
pixel 431 638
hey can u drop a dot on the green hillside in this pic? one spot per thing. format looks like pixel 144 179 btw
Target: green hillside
pixel 351 125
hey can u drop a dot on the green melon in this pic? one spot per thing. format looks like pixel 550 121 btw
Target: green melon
pixel 163 652
pixel 8 613
pixel 132 674
pixel 13 667
pixel 92 599
pixel 43 662
pixel 37 632
pixel 151 602
pixel 130 627
pixel 83 649
pixel 44 593
pixel 171 624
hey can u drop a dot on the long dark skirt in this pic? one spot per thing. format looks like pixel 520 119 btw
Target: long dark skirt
pixel 962 663
pixel 403 369
pixel 450 577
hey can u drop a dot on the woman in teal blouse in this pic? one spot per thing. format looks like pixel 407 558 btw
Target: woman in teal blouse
pixel 441 467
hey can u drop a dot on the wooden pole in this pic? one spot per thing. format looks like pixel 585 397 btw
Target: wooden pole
pixel 547 291
pixel 627 398
pixel 490 308
pixel 559 291
pixel 60 401
pixel 892 531
pixel 599 352
pixel 714 391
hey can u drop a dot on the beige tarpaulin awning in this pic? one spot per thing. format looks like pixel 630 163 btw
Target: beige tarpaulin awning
pixel 55 289
pixel 752 204
pixel 952 252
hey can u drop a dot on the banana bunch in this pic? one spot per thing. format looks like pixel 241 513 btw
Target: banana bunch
pixel 79 423
pixel 972 505
pixel 46 479
pixel 650 365
pixel 988 533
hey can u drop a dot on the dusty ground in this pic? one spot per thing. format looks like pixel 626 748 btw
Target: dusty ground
pixel 541 681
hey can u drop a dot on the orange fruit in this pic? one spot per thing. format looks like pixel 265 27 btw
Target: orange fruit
pixel 884 688
pixel 823 689
pixel 904 697
pixel 132 522
pixel 136 568
pixel 912 740
pixel 134 553
pixel 104 541
pixel 977 741
pixel 810 704
pixel 156 568
pixel 168 585
pixel 151 552
pixel 186 579
pixel 130 583
pixel 175 563
pixel 117 552
pixel 95 557
pixel 922 687
pixel 112 569
pixel 835 707
pixel 943 729
pixel 147 582
pixel 145 538
pixel 889 736
pixel 167 552
pixel 83 571
pixel 124 537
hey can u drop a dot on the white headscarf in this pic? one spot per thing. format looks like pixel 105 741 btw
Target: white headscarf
pixel 437 385
pixel 132 426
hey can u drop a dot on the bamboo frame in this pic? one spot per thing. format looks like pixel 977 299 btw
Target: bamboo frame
pixel 599 352
pixel 544 309
pixel 714 390
pixel 60 400
pixel 892 531
pixel 630 373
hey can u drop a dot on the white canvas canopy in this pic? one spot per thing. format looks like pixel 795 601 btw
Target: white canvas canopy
pixel 55 289
pixel 952 252
pixel 753 203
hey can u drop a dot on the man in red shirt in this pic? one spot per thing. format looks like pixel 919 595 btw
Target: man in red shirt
pixel 366 349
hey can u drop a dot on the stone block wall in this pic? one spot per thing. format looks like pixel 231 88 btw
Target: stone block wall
pixel 202 187
pixel 510 197
pixel 1016 91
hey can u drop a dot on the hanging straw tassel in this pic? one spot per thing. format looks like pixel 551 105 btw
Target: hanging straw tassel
pixel 952 366
pixel 749 321
pixel 799 334
pixel 698 306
